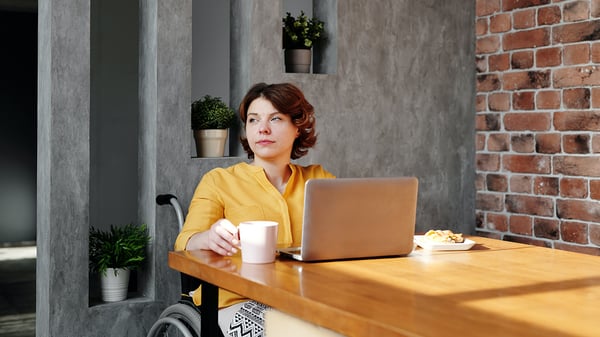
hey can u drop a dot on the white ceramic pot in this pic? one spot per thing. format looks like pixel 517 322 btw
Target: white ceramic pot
pixel 115 284
pixel 210 142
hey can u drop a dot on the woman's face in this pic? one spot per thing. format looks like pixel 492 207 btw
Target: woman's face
pixel 270 134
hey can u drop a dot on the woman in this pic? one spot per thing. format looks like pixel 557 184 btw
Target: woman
pixel 279 126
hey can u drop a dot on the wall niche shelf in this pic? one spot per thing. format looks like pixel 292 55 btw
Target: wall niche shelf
pixel 323 53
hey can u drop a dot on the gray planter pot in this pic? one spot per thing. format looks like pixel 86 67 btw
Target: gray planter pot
pixel 297 60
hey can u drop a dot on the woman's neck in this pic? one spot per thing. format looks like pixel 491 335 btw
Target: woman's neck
pixel 277 173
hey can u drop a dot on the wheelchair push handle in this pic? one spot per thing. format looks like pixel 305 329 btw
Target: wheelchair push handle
pixel 165 199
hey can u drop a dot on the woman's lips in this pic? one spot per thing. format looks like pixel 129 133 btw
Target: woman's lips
pixel 265 142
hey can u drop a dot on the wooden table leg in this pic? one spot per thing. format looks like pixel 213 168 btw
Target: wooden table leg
pixel 210 311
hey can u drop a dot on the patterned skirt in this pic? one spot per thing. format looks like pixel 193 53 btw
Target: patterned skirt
pixel 249 320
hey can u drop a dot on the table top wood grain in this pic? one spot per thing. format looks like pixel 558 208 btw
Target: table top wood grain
pixel 497 288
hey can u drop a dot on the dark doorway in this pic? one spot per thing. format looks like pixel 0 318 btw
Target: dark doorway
pixel 18 165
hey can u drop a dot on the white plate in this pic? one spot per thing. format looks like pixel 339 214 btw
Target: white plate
pixel 429 245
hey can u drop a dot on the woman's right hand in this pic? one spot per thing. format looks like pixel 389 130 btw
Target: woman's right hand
pixel 222 238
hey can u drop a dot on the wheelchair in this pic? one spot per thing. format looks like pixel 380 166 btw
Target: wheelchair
pixel 184 317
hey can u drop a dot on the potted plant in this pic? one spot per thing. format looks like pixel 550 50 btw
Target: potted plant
pixel 113 254
pixel 211 120
pixel 299 36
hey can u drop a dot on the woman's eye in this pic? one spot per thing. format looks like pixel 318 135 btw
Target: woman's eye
pixel 252 120
pixel 276 118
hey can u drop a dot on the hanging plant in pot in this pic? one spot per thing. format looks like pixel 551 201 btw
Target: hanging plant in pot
pixel 299 36
pixel 211 120
pixel 113 254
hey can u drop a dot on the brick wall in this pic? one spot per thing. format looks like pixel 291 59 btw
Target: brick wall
pixel 538 122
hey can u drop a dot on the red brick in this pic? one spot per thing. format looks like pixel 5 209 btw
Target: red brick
pixel 499 62
pixel 480 103
pixel 487 122
pixel 508 5
pixel 480 181
pixel 486 7
pixel 577 166
pixel 527 164
pixel 520 184
pixel 479 142
pixel 488 82
pixel 481 27
pixel 527 241
pixel 595 97
pixel 573 188
pixel 499 101
pixel 576 32
pixel 548 57
pixel 578 209
pixel 479 220
pixel 577 120
pixel 595 234
pixel 576 11
pixel 487 45
pixel 489 201
pixel 523 143
pixel 481 64
pixel 576 76
pixel 497 222
pixel 596 52
pixel 498 142
pixel 596 144
pixel 549 15
pixel 546 228
pixel 480 123
pixel 577 98
pixel 524 100
pixel 574 232
pixel 522 60
pixel 547 143
pixel 576 143
pixel 537 121
pixel 543 185
pixel 496 182
pixel 595 189
pixel 576 54
pixel 487 162
pixel 523 204
pixel 595 8
pixel 526 80
pixel 576 248
pixel 500 23
pixel 549 99
pixel 520 224
pixel 526 39
pixel 524 19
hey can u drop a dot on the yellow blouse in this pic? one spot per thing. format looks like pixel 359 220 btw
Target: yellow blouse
pixel 242 192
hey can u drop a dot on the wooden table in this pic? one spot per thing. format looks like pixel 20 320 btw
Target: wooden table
pixel 497 288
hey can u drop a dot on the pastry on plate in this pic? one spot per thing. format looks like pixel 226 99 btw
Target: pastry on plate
pixel 445 236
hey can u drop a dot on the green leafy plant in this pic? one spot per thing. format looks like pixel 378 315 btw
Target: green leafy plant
pixel 301 32
pixel 120 247
pixel 211 113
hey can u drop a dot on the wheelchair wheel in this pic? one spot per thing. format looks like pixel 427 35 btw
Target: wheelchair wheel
pixel 177 320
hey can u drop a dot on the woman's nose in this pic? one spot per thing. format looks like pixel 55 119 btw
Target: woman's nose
pixel 263 127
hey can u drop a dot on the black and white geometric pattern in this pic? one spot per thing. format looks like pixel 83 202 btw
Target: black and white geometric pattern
pixel 249 320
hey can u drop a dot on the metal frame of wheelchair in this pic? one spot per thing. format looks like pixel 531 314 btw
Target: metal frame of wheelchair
pixel 184 316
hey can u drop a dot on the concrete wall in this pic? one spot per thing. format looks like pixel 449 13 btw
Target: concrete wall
pixel 398 99
pixel 398 102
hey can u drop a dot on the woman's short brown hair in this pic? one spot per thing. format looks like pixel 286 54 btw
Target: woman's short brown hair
pixel 288 100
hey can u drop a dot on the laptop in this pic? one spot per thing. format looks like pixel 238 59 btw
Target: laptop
pixel 352 218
